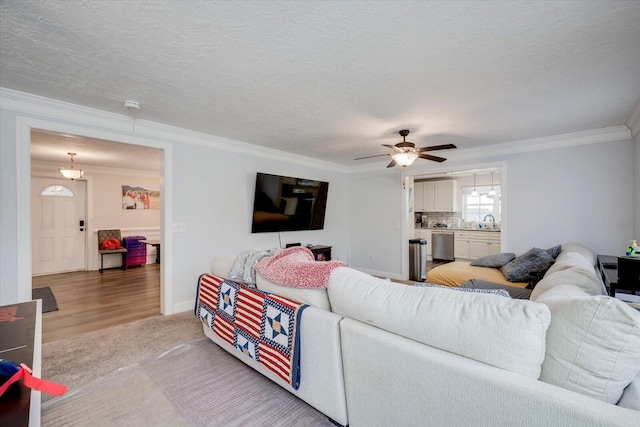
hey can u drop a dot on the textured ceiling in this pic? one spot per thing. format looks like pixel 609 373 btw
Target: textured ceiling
pixel 334 80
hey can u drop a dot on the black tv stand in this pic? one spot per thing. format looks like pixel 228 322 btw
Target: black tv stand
pixel 321 252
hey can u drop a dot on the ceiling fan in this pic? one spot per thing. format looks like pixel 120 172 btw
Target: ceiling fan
pixel 406 152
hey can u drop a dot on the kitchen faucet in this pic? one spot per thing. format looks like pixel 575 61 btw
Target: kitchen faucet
pixel 493 220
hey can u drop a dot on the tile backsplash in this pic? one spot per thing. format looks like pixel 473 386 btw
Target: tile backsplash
pixel 429 219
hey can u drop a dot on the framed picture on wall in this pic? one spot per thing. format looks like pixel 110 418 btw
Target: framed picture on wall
pixel 140 198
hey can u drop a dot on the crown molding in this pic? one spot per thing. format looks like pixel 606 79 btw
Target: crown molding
pixel 50 108
pixel 26 103
pixel 634 121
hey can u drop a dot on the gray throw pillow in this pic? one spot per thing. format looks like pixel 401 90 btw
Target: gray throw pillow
pixel 500 292
pixel 495 260
pixel 555 251
pixel 528 267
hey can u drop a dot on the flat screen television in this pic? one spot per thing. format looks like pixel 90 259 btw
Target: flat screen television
pixel 283 203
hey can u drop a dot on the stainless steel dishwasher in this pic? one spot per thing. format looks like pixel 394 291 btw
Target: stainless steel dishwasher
pixel 442 245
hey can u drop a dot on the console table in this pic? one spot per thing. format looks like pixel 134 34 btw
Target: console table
pixel 21 332
pixel 608 267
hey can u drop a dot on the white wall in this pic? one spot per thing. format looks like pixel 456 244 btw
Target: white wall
pixel 375 223
pixel 214 197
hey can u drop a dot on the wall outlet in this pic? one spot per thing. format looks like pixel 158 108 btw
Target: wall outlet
pixel 179 227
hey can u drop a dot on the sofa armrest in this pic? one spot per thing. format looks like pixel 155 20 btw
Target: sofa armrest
pixel 433 387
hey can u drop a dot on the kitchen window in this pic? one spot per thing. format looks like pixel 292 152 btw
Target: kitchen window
pixel 475 208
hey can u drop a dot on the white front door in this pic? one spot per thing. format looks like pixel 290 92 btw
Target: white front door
pixel 57 238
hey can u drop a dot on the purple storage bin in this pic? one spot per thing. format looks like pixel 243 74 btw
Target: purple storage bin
pixel 136 251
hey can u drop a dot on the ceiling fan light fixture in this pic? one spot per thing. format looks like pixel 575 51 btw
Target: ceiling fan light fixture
pixel 404 159
pixel 71 173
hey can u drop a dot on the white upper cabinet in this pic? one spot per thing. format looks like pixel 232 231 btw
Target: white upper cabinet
pixel 436 196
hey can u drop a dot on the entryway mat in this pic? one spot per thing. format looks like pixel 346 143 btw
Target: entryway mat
pixel 49 302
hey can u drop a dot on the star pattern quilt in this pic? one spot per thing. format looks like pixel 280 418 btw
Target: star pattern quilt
pixel 262 326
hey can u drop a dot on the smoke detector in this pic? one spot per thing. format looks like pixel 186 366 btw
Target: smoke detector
pixel 132 105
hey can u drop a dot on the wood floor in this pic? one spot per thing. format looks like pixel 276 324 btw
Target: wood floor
pixel 89 301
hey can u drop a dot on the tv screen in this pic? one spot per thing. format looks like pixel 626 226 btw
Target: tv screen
pixel 283 203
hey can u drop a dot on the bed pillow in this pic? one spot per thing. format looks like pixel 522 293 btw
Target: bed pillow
pixel 494 260
pixel 528 267
pixel 500 292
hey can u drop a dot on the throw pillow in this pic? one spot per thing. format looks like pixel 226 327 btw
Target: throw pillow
pixel 593 343
pixel 500 292
pixel 495 260
pixel 528 267
pixel 555 251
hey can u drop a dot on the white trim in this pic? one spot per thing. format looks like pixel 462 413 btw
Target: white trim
pixel 180 307
pixel 23 142
pixel 634 121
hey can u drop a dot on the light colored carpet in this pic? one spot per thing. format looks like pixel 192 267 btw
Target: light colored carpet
pixel 79 360
pixel 144 373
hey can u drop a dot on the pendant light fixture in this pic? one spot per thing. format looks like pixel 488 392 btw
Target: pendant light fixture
pixel 71 173
pixel 492 192
pixel 474 192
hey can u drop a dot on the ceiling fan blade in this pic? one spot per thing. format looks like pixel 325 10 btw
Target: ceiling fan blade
pixel 436 147
pixel 434 158
pixel 368 157
pixel 388 146
pixel 392 164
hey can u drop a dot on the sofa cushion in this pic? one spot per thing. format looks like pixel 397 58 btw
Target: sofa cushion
pixel 631 395
pixel 571 268
pixel 593 343
pixel 316 297
pixel 578 248
pixel 501 332
pixel 494 260
pixel 221 265
pixel 528 267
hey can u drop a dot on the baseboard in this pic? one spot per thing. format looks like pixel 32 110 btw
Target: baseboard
pixel 180 307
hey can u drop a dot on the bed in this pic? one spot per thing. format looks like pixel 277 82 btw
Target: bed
pixel 458 272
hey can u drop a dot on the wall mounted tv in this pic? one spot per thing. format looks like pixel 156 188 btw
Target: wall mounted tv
pixel 283 203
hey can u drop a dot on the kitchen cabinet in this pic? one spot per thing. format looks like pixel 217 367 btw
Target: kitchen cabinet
pixel 474 244
pixel 461 244
pixel 424 233
pixel 435 196
pixel 483 243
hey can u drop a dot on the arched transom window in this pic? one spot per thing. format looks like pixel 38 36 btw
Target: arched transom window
pixel 57 190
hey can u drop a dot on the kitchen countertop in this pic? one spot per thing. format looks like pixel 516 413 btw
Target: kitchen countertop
pixel 458 228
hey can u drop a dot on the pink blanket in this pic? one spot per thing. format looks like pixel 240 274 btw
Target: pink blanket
pixel 296 267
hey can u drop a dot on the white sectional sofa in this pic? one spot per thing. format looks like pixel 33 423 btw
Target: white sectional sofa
pixel 377 353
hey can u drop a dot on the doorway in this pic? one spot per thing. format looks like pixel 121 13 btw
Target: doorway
pixel 58 209
pixel 92 130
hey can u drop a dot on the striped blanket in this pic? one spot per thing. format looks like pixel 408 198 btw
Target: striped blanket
pixel 263 326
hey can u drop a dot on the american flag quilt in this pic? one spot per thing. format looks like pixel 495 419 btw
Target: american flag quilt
pixel 262 326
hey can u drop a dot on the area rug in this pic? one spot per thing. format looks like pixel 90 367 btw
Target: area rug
pixel 49 302
pixel 193 384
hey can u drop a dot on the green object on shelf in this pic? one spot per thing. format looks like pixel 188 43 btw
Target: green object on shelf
pixel 631 251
